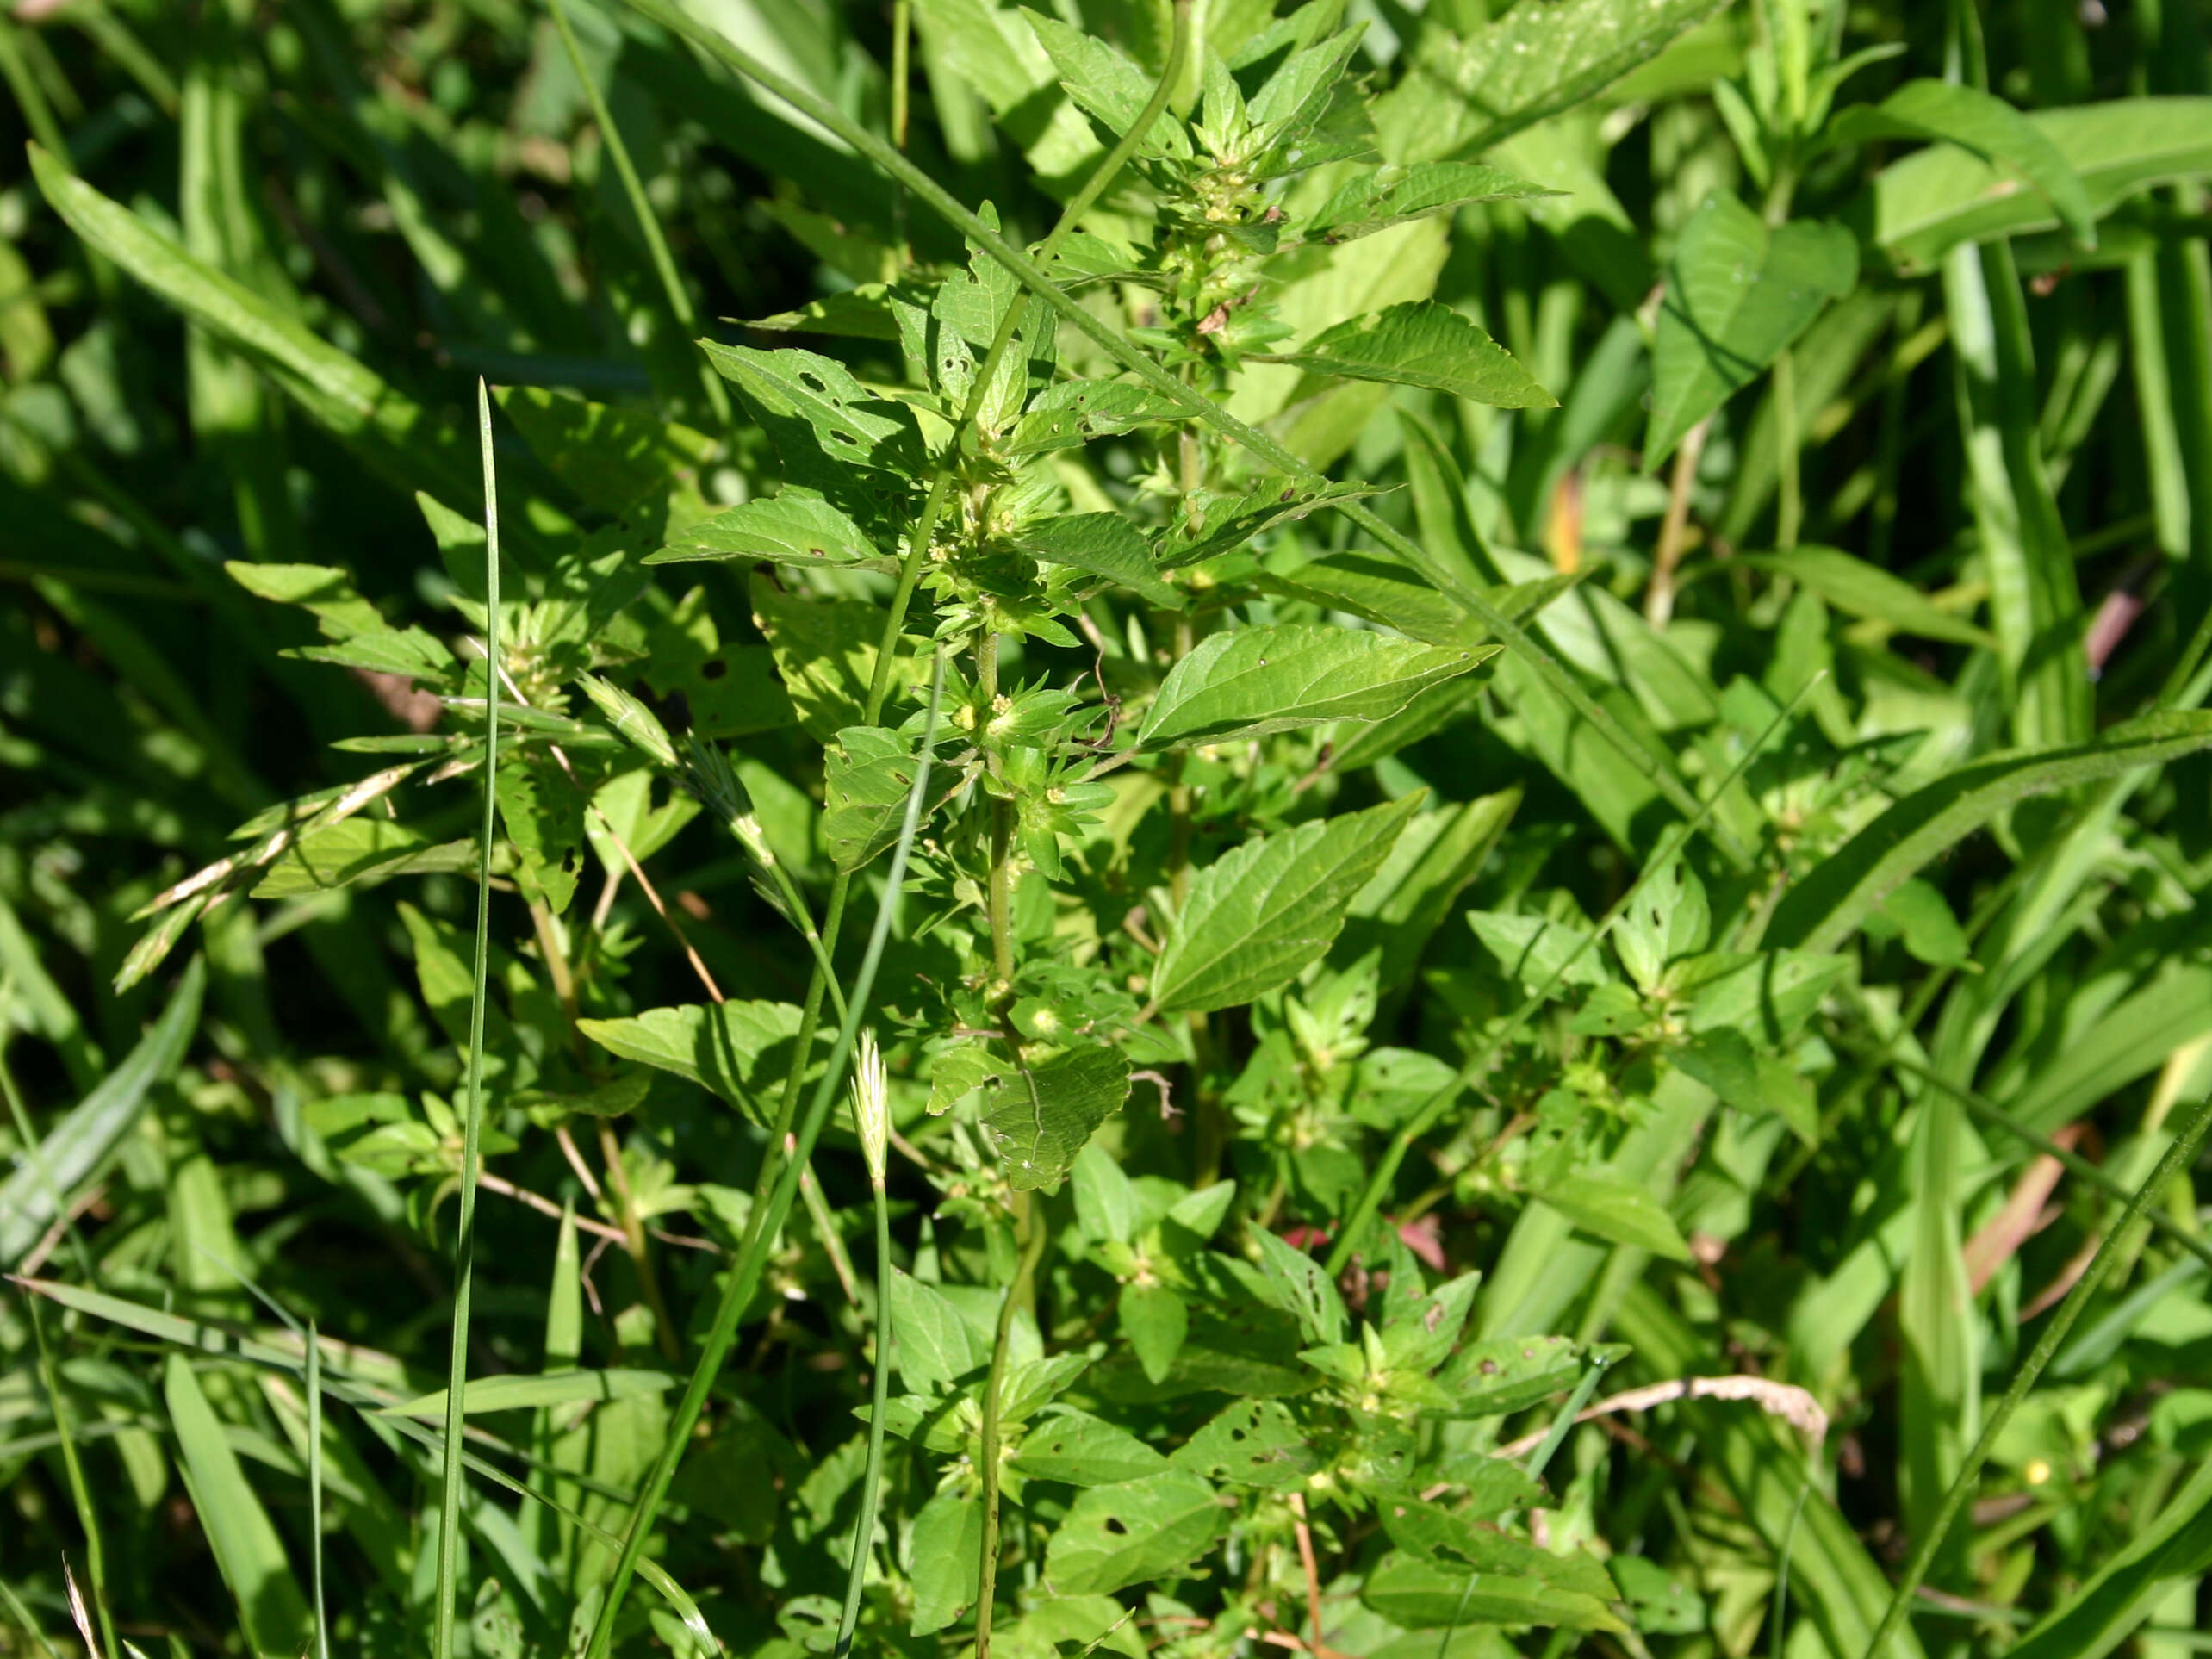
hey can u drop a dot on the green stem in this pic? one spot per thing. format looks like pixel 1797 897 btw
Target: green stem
pixel 2177 1159
pixel 1028 1219
pixel 473 1119
pixel 1432 1108
pixel 1790 516
pixel 80 1492
pixel 1655 769
pixel 769 1218
pixel 880 1397
pixel 649 222
pixel 315 1484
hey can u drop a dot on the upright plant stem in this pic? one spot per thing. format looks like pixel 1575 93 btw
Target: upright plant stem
pixel 473 1115
pixel 315 1484
pixel 649 222
pixel 770 1207
pixel 80 1492
pixel 2177 1159
pixel 1029 1222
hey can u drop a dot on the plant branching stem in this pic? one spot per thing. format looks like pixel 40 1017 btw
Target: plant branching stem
pixel 2179 1157
pixel 1658 770
pixel 472 1121
pixel 1432 1108
pixel 1030 1224
pixel 769 1207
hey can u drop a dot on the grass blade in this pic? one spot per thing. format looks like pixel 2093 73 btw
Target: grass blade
pixel 2179 1157
pixel 315 1484
pixel 473 1120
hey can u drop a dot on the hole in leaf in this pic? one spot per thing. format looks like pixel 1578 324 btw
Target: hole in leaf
pixel 714 668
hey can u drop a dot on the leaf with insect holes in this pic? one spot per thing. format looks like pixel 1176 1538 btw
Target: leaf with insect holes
pixel 1143 1530
pixel 1209 524
pixel 1247 682
pixel 867 774
pixel 1737 295
pixel 852 426
pixel 543 809
pixel 1076 411
pixel 793 526
pixel 1259 914
pixel 1046 1112
pixel 1459 96
pixel 1101 545
pixel 1252 1443
pixel 1391 195
pixel 1076 1449
pixel 1422 343
pixel 734 1049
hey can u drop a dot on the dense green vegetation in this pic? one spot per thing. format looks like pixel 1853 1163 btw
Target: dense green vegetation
pixel 1422 791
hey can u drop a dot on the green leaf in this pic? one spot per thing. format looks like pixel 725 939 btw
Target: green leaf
pixel 1391 195
pixel 936 1347
pixel 1422 343
pixel 74 1148
pixel 825 653
pixel 1156 1320
pixel 1117 1536
pixel 946 1561
pixel 1919 209
pixel 853 427
pixel 1824 909
pixel 1534 949
pixel 1259 914
pixel 793 526
pixel 1864 590
pixel 1622 1211
pixel 1078 1448
pixel 1252 1443
pixel 521 1393
pixel 1459 97
pixel 866 775
pixel 722 1047
pixel 1737 294
pixel 1430 1530
pixel 1250 681
pixel 1428 1595
pixel 354 849
pixel 1076 411
pixel 1103 544
pixel 1209 524
pixel 1982 126
pixel 543 809
pixel 1106 1204
pixel 609 456
pixel 247 1551
pixel 1046 1113
pixel 1106 84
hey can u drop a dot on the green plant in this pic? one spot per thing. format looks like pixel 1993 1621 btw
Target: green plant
pixel 1414 698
